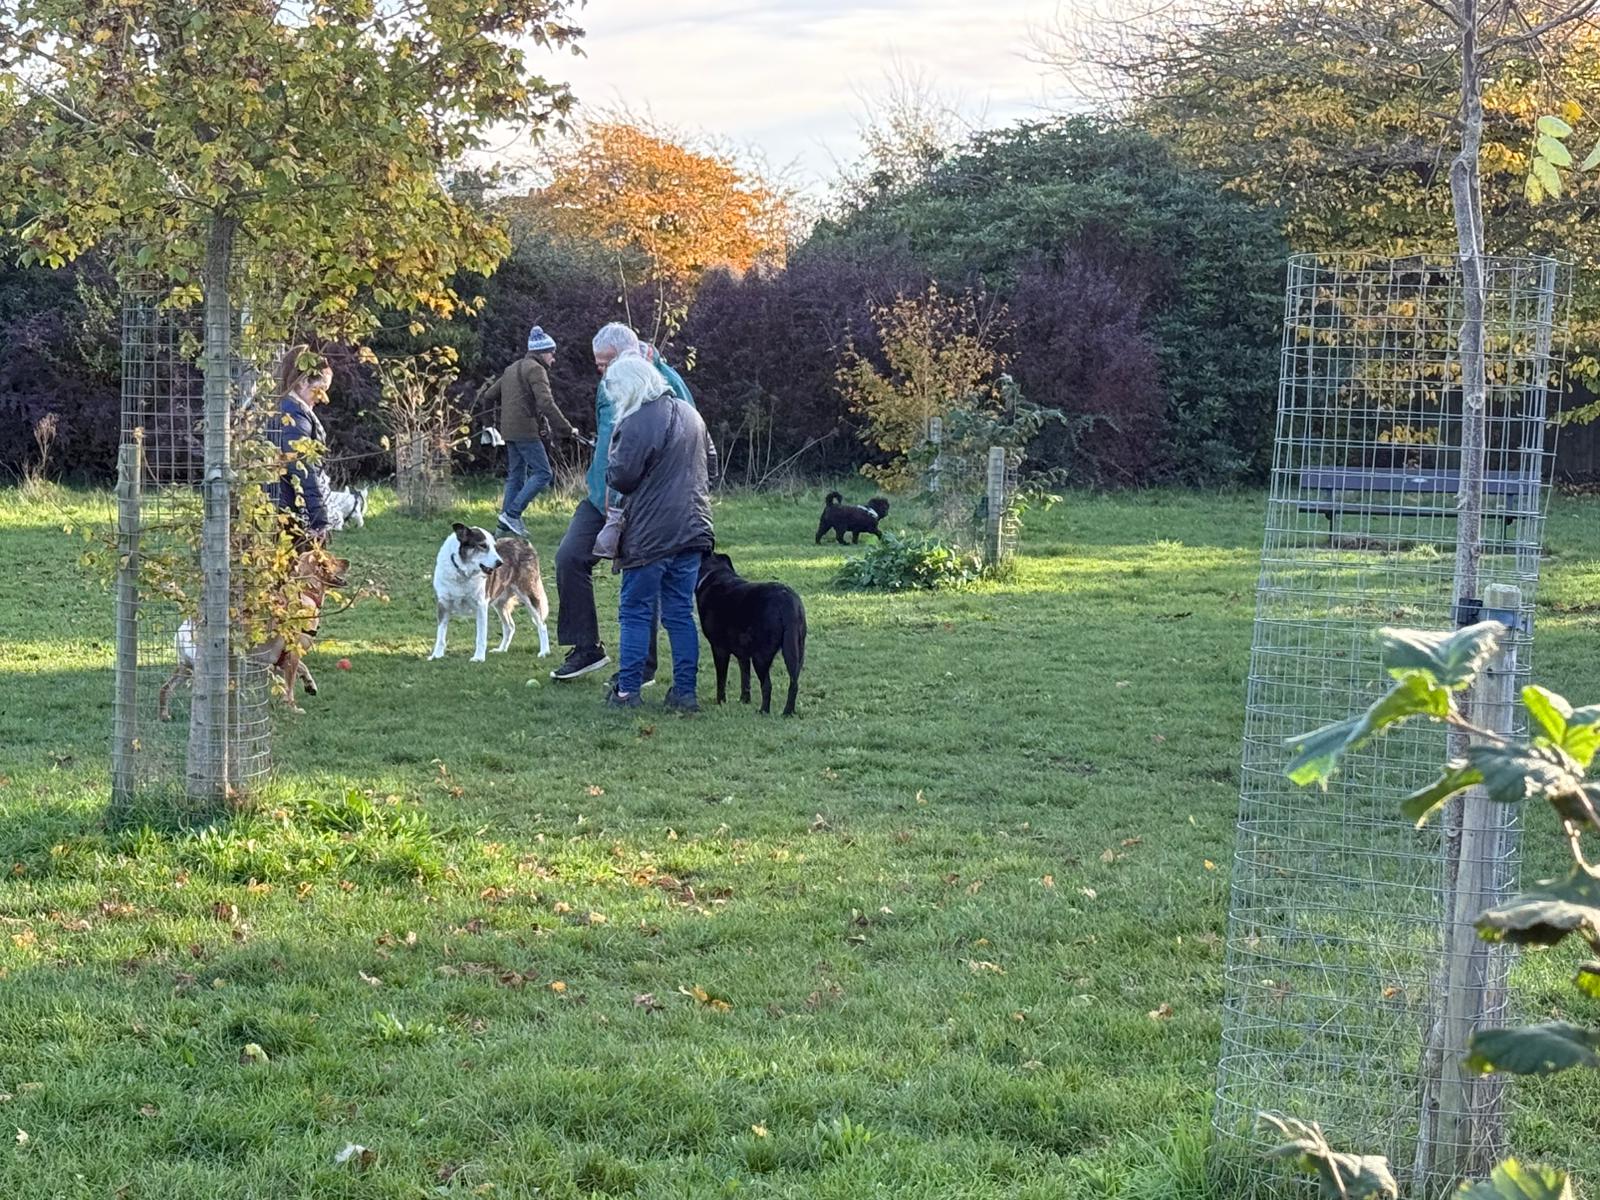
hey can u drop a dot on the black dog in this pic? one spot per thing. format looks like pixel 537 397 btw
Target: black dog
pixel 751 622
pixel 854 519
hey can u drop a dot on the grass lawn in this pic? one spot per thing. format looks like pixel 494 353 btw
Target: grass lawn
pixel 921 941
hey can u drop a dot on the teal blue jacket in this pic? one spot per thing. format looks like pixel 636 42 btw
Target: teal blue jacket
pixel 603 422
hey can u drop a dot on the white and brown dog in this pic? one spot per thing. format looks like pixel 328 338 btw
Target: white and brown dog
pixel 474 573
pixel 292 631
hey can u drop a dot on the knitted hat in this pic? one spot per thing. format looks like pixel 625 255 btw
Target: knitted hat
pixel 539 340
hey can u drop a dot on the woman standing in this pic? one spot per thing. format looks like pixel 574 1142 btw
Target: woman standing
pixel 301 490
pixel 660 462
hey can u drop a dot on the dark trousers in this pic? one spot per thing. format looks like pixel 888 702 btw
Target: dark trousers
pixel 576 621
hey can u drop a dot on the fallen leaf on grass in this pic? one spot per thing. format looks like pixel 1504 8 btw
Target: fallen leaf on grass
pixel 22 1137
pixel 24 939
pixel 558 986
pixel 369 980
pixel 1033 1064
pixel 759 1130
pixel 224 911
pixel 648 1002
pixel 703 997
pixel 820 823
pixel 149 1110
pixel 360 1156
pixel 592 790
pixel 1163 1013
pixel 1049 881
pixel 253 1056
pixel 1210 866
pixel 1088 893
pixel 1108 856
pixel 1133 841
pixel 979 966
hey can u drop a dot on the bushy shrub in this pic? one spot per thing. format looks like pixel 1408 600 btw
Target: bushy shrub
pixel 765 349
pixel 1079 349
pixel 1208 264
pixel 902 564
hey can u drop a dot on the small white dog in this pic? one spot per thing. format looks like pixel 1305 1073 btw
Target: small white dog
pixel 346 507
pixel 474 573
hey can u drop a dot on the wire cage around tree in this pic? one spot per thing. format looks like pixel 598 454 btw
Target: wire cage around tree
pixel 1339 927
pixel 161 465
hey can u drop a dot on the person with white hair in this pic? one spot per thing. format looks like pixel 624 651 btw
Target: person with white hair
pixel 660 461
pixel 577 623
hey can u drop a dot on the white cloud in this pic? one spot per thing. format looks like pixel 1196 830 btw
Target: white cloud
pixel 785 76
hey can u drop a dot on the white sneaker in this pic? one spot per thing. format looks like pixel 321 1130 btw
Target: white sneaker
pixel 513 525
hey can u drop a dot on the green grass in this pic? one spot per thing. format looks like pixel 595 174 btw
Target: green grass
pixel 907 944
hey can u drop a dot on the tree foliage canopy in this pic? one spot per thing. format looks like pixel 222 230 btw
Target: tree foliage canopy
pixel 668 211
pixel 1342 122
pixel 318 131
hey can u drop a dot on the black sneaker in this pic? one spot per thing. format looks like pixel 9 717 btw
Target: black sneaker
pixel 582 660
pixel 615 699
pixel 649 681
pixel 684 704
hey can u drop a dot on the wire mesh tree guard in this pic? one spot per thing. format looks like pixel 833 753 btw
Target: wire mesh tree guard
pixel 970 489
pixel 1353 972
pixel 160 502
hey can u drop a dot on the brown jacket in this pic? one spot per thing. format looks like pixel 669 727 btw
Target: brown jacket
pixel 524 395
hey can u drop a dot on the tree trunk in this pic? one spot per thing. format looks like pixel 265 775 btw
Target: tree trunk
pixel 209 733
pixel 1462 1122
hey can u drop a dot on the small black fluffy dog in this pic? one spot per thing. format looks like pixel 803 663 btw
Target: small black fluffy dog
pixel 854 519
pixel 751 622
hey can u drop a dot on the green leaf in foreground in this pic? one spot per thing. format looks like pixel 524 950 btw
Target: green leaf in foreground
pixel 1553 151
pixel 1421 805
pixel 1342 1176
pixel 1545 915
pixel 1577 731
pixel 1592 161
pixel 1534 1050
pixel 1513 1181
pixel 1316 754
pixel 1553 126
pixel 1451 660
pixel 1512 774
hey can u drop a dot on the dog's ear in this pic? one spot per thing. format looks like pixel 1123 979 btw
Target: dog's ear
pixel 461 530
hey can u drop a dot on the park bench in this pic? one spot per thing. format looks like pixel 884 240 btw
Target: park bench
pixel 1370 492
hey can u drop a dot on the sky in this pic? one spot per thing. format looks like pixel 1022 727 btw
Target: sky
pixel 786 77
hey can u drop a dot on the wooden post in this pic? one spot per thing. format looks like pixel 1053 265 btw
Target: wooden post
pixel 995 507
pixel 936 440
pixel 125 707
pixel 1465 1132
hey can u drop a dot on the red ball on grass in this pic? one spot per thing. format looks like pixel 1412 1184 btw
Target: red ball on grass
pixel 344 664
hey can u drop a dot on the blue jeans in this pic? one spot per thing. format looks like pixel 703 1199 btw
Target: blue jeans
pixel 527 474
pixel 667 586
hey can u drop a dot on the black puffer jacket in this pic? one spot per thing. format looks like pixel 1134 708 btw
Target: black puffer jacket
pixel 662 461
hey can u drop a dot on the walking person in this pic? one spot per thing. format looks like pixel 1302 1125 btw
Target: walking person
pixel 660 462
pixel 301 490
pixel 577 624
pixel 523 391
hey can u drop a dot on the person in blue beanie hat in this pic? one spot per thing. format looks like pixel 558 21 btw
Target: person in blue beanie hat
pixel 526 404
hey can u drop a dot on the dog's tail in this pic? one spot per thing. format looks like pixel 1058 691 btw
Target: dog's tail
pixel 794 644
pixel 833 498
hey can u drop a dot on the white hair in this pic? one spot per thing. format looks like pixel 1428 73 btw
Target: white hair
pixel 630 383
pixel 617 339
